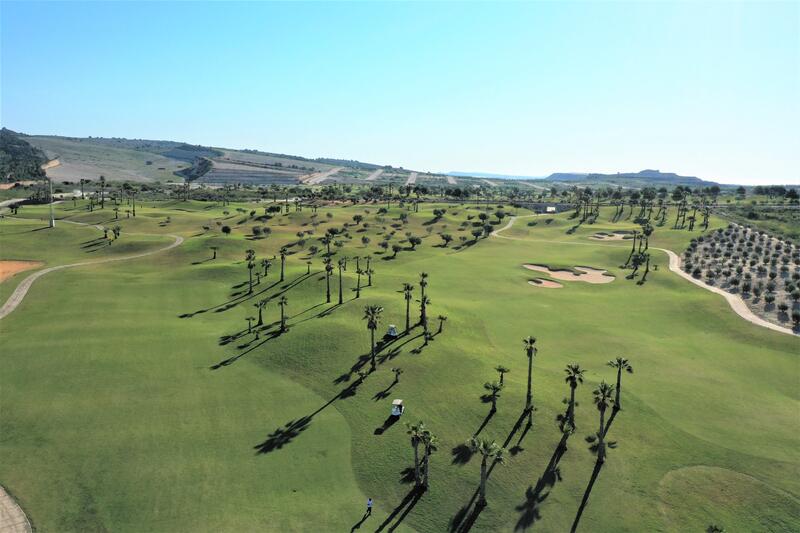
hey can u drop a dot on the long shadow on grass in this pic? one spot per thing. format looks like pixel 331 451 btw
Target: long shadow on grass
pixel 401 511
pixel 534 496
pixel 285 434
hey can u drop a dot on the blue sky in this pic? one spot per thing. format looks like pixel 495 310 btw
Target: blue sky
pixel 700 88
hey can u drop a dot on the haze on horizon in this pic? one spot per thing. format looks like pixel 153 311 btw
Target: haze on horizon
pixel 708 89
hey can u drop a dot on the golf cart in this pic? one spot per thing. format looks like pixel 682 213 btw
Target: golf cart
pixel 397 407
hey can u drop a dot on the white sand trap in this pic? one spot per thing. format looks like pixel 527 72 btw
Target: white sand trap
pixel 616 236
pixel 9 268
pixel 545 283
pixel 587 274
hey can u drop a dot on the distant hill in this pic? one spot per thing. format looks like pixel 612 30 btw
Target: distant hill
pixel 18 159
pixel 490 175
pixel 643 177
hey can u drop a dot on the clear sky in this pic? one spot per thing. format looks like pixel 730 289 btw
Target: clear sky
pixel 699 88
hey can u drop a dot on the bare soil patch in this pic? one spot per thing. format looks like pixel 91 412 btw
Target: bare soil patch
pixel 616 236
pixel 9 268
pixel 579 273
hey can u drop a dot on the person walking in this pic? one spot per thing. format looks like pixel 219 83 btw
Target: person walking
pixel 369 507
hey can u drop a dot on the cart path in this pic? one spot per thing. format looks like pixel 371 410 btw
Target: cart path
pixel 736 303
pixel 374 175
pixel 22 289
pixel 12 517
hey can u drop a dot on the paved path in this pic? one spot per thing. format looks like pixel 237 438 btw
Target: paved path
pixel 412 179
pixel 374 175
pixel 319 177
pixel 12 518
pixel 22 289
pixel 736 303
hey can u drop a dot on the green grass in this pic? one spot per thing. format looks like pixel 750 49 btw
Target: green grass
pixel 114 419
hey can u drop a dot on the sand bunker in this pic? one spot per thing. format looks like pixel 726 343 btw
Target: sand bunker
pixel 545 283
pixel 587 274
pixel 9 268
pixel 616 236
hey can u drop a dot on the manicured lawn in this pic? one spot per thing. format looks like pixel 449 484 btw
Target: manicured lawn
pixel 118 415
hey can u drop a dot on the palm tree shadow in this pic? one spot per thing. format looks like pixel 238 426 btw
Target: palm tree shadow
pixel 283 435
pixel 597 466
pixel 402 510
pixel 461 454
pixel 389 422
pixel 485 421
pixel 534 496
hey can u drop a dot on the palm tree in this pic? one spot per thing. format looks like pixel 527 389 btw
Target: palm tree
pixel 442 320
pixel 328 272
pixel 488 450
pixel 265 264
pixel 423 283
pixel 283 261
pixel 574 378
pixel 250 323
pixel 502 371
pixel 408 291
pixel 213 248
pixel 308 265
pixel 620 363
pixel 260 305
pixel 283 302
pixel 430 443
pixel 359 272
pixel 602 399
pixel 340 264
pixel 424 302
pixel 397 371
pixel 493 389
pixel 416 431
pixel 250 256
pixel 372 314
pixel 369 272
pixel 530 350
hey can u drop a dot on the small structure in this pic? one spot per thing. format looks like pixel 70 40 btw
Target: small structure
pixel 397 407
pixel 550 209
pixel 392 332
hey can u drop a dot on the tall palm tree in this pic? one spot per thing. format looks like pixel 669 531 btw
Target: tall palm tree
pixel 260 305
pixel 416 432
pixel 424 302
pixel 408 294
pixel 530 350
pixel 488 450
pixel 328 273
pixel 423 283
pixel 283 261
pixel 340 264
pixel 213 248
pixel 602 399
pixel 369 272
pixel 574 378
pixel 359 272
pixel 620 363
pixel 250 323
pixel 250 256
pixel 283 302
pixel 430 444
pixel 372 314
pixel 265 264
pixel 493 388
pixel 442 320
pixel 502 371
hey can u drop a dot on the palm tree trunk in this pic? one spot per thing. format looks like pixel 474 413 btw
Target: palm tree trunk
pixel 482 490
pixel 283 262
pixel 416 463
pixel 327 287
pixel 340 285
pixel 529 396
pixel 571 414
pixel 617 405
pixel 372 344
pixel 427 467
pixel 601 435
pixel 408 315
